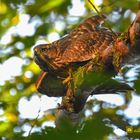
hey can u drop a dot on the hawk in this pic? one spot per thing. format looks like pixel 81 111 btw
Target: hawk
pixel 81 45
pixel 88 45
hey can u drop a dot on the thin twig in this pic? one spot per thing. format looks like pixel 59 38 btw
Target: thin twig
pixel 101 16
pixel 94 8
pixel 35 120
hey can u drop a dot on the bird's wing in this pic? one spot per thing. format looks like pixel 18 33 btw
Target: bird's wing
pixel 85 46
pixel 88 26
pixel 80 45
pixel 84 37
pixel 50 85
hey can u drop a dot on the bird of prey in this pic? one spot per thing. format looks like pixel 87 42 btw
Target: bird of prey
pixel 89 45
pixel 83 44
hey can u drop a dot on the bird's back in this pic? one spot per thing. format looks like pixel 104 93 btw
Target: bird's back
pixel 80 45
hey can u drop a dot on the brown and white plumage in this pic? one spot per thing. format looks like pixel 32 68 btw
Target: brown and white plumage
pixel 81 45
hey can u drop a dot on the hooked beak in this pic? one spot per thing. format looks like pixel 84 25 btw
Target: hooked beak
pixel 38 57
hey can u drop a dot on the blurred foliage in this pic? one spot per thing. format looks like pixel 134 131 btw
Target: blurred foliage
pixel 43 15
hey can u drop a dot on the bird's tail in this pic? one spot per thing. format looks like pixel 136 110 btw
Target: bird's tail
pixel 111 88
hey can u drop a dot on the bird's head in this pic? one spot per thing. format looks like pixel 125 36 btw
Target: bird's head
pixel 41 56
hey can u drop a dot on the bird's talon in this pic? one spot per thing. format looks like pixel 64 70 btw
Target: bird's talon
pixel 66 80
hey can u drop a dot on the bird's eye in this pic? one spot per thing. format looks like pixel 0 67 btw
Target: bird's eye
pixel 43 50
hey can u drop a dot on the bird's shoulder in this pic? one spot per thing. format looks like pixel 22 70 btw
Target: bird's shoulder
pixel 84 41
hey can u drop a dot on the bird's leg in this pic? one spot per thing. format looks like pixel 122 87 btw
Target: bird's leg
pixel 68 81
pixel 67 101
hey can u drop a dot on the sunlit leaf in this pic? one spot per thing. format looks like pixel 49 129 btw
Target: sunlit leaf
pixel 11 117
pixel 15 20
pixel 3 8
